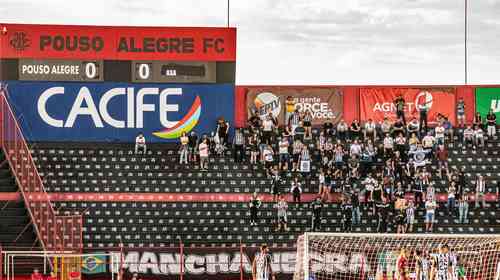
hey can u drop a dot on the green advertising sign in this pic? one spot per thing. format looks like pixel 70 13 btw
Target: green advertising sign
pixel 486 99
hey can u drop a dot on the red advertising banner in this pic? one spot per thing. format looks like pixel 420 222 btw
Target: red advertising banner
pixel 117 42
pixel 378 102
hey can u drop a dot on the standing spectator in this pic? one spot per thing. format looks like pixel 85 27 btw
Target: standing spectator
pixel 294 121
pixel 223 130
pixel 463 208
pixel 296 191
pixel 290 108
pixel 267 129
pixel 442 156
pixel 430 209
pixel 461 112
pixel 491 121
pixel 342 129
pixel 203 151
pixel 480 190
pixel 398 127
pixel 253 142
pixel 498 194
pixel 307 124
pixel 428 143
pixel 478 120
pixel 275 191
pixel 254 122
pixel 370 131
pixel 346 215
pixel 254 206
pixel 328 127
pixel 282 207
pixel 355 130
pixel 284 156
pixel 305 161
pixel 317 207
pixel 400 108
pixel 300 132
pixel 400 221
pixel 386 126
pixel 193 144
pixel 439 133
pixel 356 213
pixel 423 109
pixel 388 146
pixel 382 214
pixel 140 143
pixel 184 150
pixel 410 216
pixel 268 158
pixel 448 129
pixel 451 198
pixel 296 150
pixel 355 149
pixel 478 137
pixel 239 145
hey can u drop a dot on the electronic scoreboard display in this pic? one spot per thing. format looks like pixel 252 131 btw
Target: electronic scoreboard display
pixel 117 54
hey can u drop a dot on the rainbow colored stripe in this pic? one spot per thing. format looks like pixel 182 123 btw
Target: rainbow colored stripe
pixel 188 122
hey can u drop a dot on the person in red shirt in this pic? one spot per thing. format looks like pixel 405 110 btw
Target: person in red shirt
pixel 36 275
pixel 442 156
pixel 402 263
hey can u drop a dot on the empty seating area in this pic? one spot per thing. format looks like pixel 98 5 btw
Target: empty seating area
pixel 197 223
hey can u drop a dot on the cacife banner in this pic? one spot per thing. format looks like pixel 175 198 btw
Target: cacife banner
pixel 99 112
pixel 324 103
pixel 117 42
pixel 378 102
pixel 488 99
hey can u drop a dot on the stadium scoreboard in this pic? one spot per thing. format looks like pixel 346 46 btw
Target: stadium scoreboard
pixel 117 54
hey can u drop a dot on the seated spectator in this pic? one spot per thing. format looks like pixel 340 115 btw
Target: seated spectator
pixel 140 143
pixel 413 141
pixel 339 156
pixel 203 150
pixel 355 148
pixel 468 137
pixel 442 156
pixel 430 209
pixel 342 130
pixel 413 127
pixel 478 137
pixel 328 128
pixel 184 150
pixel 353 165
pixel 355 130
pixel 370 131
pixel 491 123
pixel 428 143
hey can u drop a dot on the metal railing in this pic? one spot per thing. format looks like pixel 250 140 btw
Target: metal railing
pixel 55 232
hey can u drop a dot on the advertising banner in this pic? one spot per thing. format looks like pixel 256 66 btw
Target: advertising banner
pixel 324 103
pixel 98 112
pixel 378 102
pixel 117 42
pixel 488 99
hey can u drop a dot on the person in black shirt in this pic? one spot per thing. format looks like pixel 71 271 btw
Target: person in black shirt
pixel 400 107
pixel 382 215
pixel 254 206
pixel 223 130
pixel 192 145
pixel 296 191
pixel 491 121
pixel 328 128
pixel 346 215
pixel 299 132
pixel 355 130
pixel 356 213
pixel 398 127
pixel 254 122
pixel 400 221
pixel 316 206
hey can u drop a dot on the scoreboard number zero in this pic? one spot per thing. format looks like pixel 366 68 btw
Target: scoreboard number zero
pixel 91 71
pixel 144 71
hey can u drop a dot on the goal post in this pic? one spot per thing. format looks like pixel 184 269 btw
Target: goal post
pixel 350 256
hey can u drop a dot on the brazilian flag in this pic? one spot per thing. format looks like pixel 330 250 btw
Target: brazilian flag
pixel 94 264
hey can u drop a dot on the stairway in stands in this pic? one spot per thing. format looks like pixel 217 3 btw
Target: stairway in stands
pixel 16 230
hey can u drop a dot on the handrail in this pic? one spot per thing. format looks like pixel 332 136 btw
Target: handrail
pixel 50 227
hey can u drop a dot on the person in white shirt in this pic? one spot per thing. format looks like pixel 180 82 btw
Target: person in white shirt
pixel 430 209
pixel 480 190
pixel 140 143
pixel 388 146
pixel 439 134
pixel 267 129
pixel 468 138
pixel 370 130
pixel 282 207
pixel 355 148
pixel 478 137
pixel 203 151
pixel 428 143
pixel 284 156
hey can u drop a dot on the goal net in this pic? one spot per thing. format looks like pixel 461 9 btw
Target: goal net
pixel 322 256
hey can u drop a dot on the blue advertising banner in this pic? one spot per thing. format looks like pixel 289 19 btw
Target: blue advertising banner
pixel 97 112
